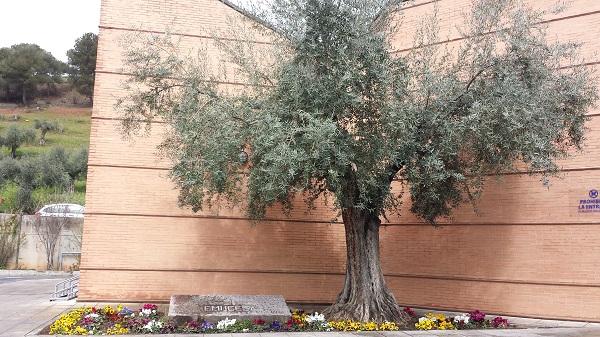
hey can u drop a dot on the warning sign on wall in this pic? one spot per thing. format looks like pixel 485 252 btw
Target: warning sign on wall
pixel 591 203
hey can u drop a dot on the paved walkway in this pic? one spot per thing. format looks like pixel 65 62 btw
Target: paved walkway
pixel 25 310
pixel 551 332
pixel 24 304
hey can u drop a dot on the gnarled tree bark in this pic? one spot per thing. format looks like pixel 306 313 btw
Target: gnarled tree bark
pixel 365 296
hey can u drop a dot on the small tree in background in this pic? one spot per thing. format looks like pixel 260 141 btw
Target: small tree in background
pixel 14 137
pixel 64 168
pixel 332 111
pixel 27 180
pixel 46 126
pixel 48 231
pixel 82 60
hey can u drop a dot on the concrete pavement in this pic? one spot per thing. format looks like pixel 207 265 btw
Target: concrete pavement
pixel 24 304
pixel 550 332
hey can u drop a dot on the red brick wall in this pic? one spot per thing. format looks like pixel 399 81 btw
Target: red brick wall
pixel 527 252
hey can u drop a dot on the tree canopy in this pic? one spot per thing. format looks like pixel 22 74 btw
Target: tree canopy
pixel 25 66
pixel 14 137
pixel 343 102
pixel 82 62
pixel 332 110
pixel 46 126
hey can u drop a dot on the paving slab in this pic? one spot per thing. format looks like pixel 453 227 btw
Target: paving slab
pixel 25 305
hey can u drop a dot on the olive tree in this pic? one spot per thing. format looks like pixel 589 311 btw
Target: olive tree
pixel 57 170
pixel 46 126
pixel 14 137
pixel 331 110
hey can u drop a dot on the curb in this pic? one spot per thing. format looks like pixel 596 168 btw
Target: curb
pixel 11 272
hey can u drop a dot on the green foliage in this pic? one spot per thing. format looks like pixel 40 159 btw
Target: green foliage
pixel 9 169
pixel 27 65
pixel 55 172
pixel 73 133
pixel 64 163
pixel 332 110
pixel 243 325
pixel 46 126
pixel 40 196
pixel 82 62
pixel 24 200
pixel 14 137
pixel 73 165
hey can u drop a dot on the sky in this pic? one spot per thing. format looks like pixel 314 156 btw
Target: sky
pixel 54 25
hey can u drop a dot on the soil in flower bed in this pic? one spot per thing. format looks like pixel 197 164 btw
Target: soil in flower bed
pixel 150 319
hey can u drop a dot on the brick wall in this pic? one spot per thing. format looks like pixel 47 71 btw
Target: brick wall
pixel 527 252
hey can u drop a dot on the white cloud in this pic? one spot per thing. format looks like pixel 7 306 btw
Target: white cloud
pixel 52 24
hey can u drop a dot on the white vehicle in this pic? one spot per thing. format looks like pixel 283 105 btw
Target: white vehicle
pixel 62 211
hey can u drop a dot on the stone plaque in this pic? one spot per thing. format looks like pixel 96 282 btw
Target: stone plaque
pixel 214 308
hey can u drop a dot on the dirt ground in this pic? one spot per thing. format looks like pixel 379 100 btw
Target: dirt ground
pixel 59 110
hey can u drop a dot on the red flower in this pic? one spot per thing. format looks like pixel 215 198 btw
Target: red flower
pixel 150 306
pixel 114 317
pixel 259 322
pixel 193 324
pixel 409 312
pixel 499 322
pixel 477 316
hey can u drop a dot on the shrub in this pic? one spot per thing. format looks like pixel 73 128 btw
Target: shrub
pixel 55 172
pixel 14 137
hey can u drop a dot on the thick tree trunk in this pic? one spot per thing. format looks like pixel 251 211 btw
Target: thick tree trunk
pixel 365 296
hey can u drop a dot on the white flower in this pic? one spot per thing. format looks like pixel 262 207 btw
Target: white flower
pixel 423 319
pixel 146 312
pixel 225 323
pixel 92 316
pixel 153 325
pixel 462 318
pixel 245 330
pixel 315 318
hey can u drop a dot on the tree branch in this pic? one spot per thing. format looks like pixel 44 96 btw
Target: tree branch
pixel 470 83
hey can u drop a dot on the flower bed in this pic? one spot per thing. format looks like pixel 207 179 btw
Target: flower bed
pixel 473 320
pixel 148 319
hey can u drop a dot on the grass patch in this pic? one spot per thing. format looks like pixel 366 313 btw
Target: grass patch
pixel 76 124
pixel 42 196
pixel 76 129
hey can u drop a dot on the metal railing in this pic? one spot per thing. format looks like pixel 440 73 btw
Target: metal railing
pixel 66 290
